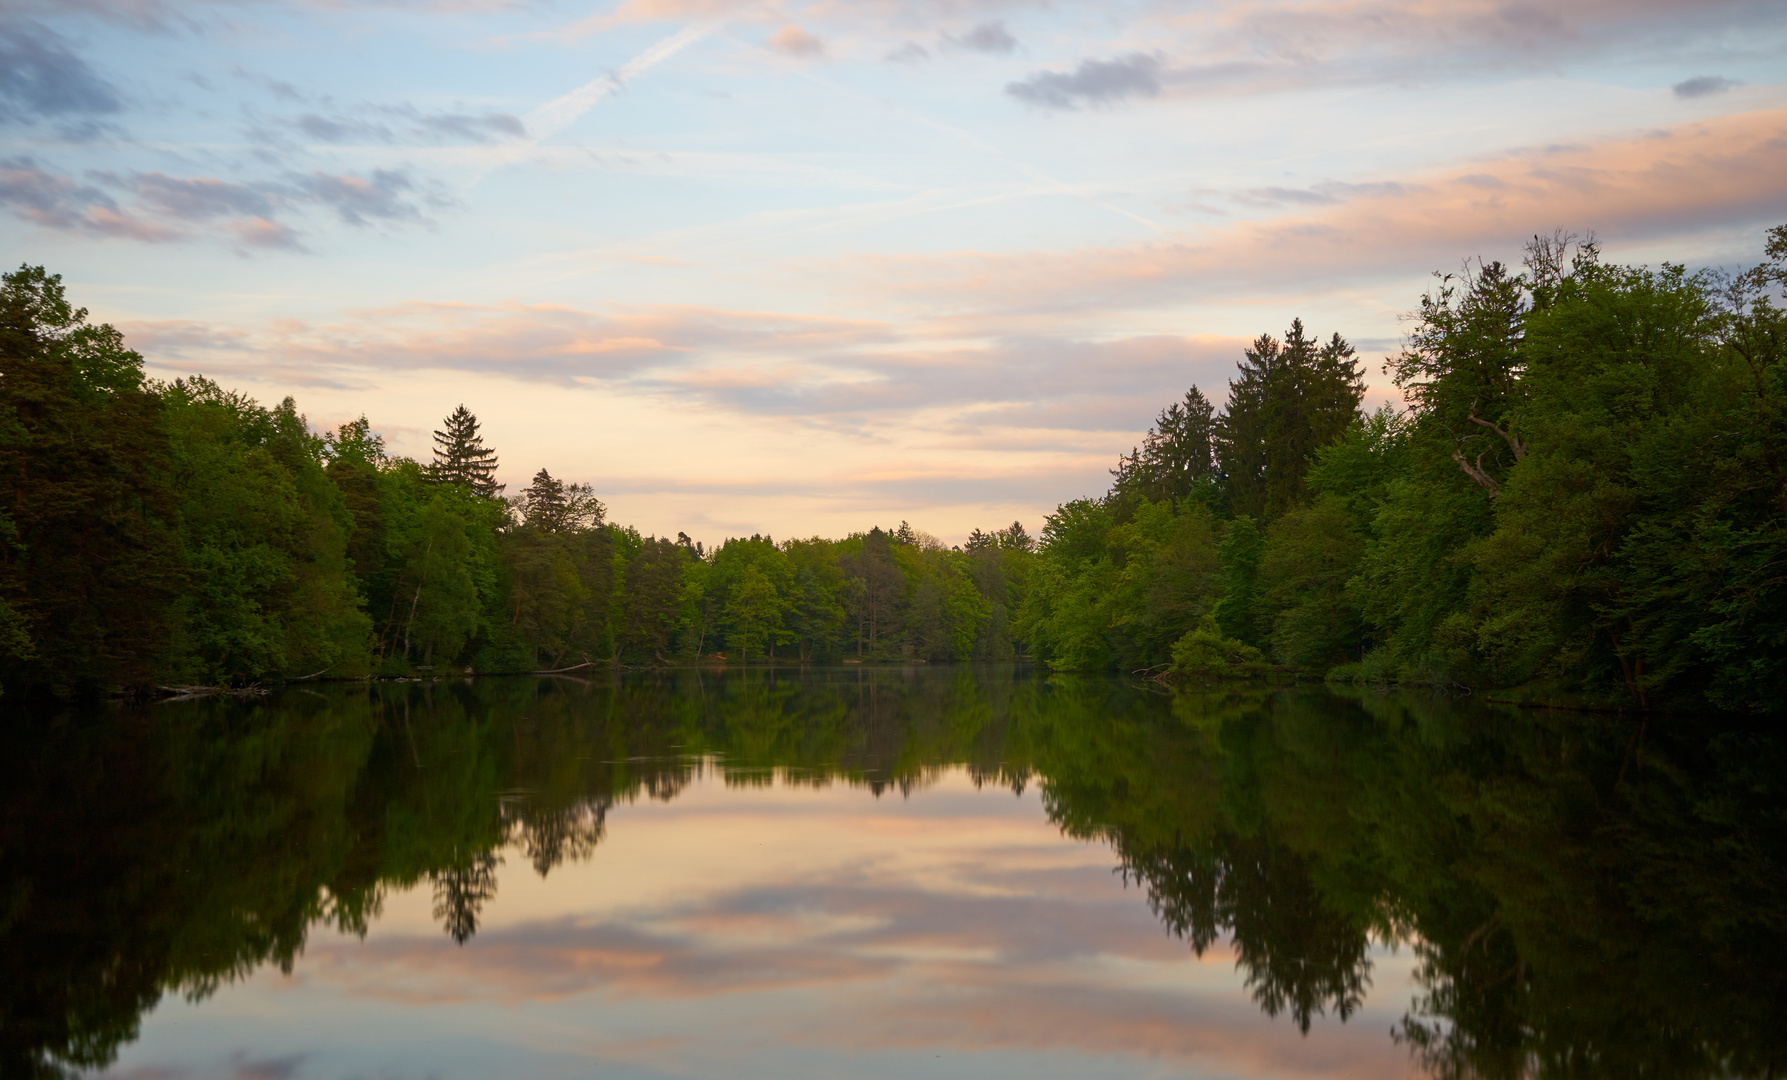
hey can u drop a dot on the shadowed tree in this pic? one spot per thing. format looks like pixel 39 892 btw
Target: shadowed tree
pixel 1292 399
pixel 460 456
pixel 88 549
pixel 1175 460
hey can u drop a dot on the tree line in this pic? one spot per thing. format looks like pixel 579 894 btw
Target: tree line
pixel 181 534
pixel 1583 501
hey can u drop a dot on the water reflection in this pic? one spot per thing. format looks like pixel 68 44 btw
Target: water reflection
pixel 1584 898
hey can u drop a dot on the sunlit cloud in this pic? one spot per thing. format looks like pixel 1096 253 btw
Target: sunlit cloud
pixel 1718 173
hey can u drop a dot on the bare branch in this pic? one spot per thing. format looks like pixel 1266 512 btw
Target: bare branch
pixel 1475 472
pixel 1514 444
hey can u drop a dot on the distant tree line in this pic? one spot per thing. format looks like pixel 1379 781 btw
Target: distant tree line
pixel 1585 500
pixel 166 534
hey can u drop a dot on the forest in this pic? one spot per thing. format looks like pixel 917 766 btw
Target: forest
pixel 1583 501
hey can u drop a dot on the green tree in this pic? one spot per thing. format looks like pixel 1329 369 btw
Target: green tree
pixel 817 612
pixel 444 604
pixel 1177 458
pixel 1292 399
pixel 754 610
pixel 1309 555
pixel 1240 551
pixel 875 590
pixel 652 598
pixel 265 533
pixel 89 560
pixel 460 456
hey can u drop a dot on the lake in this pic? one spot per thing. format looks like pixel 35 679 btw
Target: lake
pixel 886 872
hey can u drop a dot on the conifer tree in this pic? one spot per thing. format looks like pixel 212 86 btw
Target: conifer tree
pixel 460 456
pixel 1178 454
pixel 551 505
pixel 1015 538
pixel 1293 398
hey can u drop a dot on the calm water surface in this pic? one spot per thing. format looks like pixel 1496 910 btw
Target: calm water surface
pixel 952 872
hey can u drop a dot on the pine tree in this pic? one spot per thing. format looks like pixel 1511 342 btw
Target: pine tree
pixel 460 456
pixel 544 501
pixel 1293 398
pixel 551 505
pixel 1178 455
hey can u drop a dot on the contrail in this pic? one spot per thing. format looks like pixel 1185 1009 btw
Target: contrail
pixel 556 115
pixel 559 113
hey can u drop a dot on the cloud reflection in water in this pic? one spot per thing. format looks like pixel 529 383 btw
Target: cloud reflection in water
pixel 785 931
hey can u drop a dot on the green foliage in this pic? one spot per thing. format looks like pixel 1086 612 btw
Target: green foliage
pixel 462 459
pixel 89 545
pixel 754 609
pixel 264 532
pixel 1292 399
pixel 1177 459
pixel 1309 554
pixel 1242 548
pixel 1104 593
pixel 1584 502
pixel 1204 651
pixel 652 602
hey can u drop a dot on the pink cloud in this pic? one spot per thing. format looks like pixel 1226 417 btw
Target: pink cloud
pixel 794 41
pixel 1721 172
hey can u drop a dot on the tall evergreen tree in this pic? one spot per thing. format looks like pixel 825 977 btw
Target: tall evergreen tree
pixel 551 505
pixel 1178 455
pixel 460 456
pixel 1293 397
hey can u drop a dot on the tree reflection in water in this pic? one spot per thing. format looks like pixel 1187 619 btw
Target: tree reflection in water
pixel 1585 897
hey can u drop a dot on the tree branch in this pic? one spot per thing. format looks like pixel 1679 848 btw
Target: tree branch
pixel 1514 444
pixel 1476 473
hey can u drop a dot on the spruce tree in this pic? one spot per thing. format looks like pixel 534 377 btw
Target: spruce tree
pixel 460 456
pixel 1293 398
pixel 551 505
pixel 544 501
pixel 1177 456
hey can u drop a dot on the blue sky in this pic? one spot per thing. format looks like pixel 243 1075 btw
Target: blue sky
pixel 803 267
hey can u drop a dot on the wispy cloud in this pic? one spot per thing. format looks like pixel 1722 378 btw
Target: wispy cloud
pixel 165 208
pixel 554 116
pixel 1703 86
pixel 385 195
pixel 42 79
pixel 405 124
pixel 1327 193
pixel 559 113
pixel 987 37
pixel 60 203
pixel 1094 82
pixel 1716 173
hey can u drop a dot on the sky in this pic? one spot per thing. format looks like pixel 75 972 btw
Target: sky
pixel 788 930
pixel 802 267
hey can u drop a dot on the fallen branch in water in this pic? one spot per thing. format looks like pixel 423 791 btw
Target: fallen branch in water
pixel 183 693
pixel 556 671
